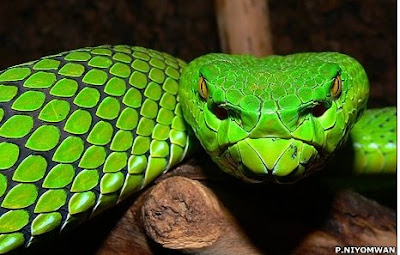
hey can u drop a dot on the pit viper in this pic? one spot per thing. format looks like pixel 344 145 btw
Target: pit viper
pixel 84 129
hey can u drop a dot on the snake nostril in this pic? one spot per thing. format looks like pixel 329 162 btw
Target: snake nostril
pixel 220 112
pixel 318 110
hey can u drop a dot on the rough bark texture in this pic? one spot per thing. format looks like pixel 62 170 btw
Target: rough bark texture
pixel 354 221
pixel 180 213
pixel 244 27
pixel 301 219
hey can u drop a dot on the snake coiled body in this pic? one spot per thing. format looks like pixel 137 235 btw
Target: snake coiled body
pixel 84 129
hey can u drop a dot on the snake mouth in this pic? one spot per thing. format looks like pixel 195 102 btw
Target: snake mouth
pixel 270 159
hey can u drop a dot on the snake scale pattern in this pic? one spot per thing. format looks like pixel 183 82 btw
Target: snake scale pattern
pixel 84 129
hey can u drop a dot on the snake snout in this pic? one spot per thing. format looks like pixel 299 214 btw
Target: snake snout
pixel 277 159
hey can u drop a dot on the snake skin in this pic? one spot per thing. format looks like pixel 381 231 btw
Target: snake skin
pixel 80 131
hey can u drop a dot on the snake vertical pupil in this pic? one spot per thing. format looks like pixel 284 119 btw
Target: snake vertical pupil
pixel 318 110
pixel 202 87
pixel 336 89
pixel 220 112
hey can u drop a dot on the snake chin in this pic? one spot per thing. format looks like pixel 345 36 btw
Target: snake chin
pixel 269 159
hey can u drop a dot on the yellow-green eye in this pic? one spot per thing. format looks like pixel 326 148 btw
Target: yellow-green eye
pixel 336 88
pixel 202 86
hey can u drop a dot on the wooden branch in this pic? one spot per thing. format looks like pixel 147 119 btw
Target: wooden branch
pixel 128 236
pixel 354 221
pixel 219 215
pixel 244 26
pixel 180 213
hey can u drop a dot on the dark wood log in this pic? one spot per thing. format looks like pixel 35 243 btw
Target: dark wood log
pixel 218 215
pixel 182 213
pixel 128 236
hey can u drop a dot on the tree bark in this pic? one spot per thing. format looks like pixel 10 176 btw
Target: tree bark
pixel 244 26
pixel 216 214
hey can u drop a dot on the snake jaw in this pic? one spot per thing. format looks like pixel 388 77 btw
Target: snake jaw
pixel 274 159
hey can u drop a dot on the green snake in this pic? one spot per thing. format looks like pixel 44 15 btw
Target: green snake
pixel 84 129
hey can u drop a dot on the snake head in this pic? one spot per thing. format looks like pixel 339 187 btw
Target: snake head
pixel 276 118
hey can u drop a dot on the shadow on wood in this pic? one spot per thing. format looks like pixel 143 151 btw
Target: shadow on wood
pixel 220 215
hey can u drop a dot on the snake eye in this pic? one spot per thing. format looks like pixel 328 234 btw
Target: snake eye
pixel 202 87
pixel 336 88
